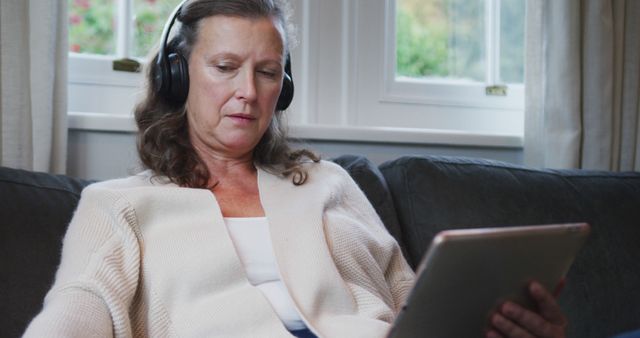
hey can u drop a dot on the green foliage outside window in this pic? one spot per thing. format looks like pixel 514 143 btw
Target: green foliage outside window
pixel 440 38
pixel 151 16
pixel 91 26
pixel 420 51
pixel 446 39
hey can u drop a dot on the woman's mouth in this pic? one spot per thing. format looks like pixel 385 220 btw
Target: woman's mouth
pixel 241 118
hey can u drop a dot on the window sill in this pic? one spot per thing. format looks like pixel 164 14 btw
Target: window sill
pixel 125 124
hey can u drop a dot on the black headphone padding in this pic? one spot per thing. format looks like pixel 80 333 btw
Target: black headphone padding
pixel 286 94
pixel 179 86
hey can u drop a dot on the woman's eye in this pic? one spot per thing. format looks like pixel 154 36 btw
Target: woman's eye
pixel 268 73
pixel 224 68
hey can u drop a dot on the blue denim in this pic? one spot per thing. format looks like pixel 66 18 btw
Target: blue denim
pixel 632 334
pixel 303 333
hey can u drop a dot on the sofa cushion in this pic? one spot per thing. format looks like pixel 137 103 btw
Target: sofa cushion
pixel 601 297
pixel 36 209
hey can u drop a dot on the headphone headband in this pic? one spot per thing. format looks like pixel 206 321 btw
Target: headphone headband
pixel 167 29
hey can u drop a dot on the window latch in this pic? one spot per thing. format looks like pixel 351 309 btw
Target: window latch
pixel 496 90
pixel 126 65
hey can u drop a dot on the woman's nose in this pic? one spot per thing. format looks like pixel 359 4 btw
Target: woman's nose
pixel 246 86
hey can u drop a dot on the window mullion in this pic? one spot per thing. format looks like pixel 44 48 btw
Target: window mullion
pixel 124 28
pixel 492 38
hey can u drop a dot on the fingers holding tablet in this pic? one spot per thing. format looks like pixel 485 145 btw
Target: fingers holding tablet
pixel 547 305
pixel 513 320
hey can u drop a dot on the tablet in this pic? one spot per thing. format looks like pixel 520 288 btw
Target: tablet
pixel 466 274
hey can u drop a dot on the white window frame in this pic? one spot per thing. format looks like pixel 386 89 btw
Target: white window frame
pixel 450 93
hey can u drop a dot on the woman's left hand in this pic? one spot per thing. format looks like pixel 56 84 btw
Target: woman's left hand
pixel 513 320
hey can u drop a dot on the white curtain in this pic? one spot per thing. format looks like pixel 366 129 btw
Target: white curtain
pixel 33 84
pixel 582 84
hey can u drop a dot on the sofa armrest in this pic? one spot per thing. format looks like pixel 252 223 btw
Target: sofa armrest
pixel 35 211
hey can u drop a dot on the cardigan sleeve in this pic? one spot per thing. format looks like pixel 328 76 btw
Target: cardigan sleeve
pixel 98 273
pixel 367 256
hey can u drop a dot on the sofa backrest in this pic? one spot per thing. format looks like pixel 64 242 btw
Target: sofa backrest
pixel 602 294
pixel 415 197
pixel 35 209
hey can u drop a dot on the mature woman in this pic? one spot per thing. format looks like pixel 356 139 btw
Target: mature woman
pixel 230 232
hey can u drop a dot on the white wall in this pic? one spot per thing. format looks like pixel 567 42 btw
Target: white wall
pixel 103 155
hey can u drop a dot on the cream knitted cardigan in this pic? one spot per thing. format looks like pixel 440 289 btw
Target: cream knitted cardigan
pixel 144 257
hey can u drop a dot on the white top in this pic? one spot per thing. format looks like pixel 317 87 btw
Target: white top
pixel 252 240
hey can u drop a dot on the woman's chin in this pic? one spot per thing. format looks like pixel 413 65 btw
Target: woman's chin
pixel 240 146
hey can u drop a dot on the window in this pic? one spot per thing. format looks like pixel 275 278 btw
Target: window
pixel 347 69
pixel 126 28
pixel 456 52
pixel 105 38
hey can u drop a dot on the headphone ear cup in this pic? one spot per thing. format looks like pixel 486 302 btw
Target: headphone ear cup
pixel 161 79
pixel 286 94
pixel 178 88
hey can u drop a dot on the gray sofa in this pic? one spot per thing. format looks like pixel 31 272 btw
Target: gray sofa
pixel 416 197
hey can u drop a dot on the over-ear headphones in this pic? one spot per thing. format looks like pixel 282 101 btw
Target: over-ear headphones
pixel 171 73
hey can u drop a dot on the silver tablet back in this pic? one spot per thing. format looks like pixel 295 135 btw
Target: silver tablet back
pixel 465 274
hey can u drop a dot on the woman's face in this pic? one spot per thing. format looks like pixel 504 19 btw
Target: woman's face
pixel 235 78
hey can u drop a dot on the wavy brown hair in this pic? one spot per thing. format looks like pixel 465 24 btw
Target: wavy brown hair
pixel 163 133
